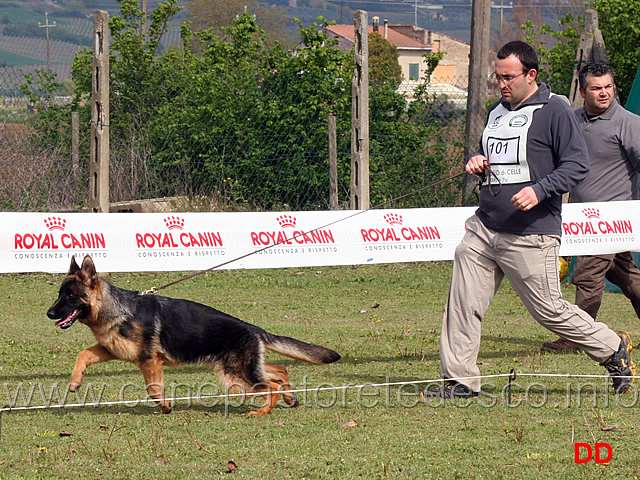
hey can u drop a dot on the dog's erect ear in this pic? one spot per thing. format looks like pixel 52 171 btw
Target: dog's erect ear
pixel 73 268
pixel 87 272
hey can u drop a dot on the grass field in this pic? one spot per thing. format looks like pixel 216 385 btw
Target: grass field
pixel 384 320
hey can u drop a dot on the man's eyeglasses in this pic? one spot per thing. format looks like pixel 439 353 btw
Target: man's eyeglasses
pixel 507 79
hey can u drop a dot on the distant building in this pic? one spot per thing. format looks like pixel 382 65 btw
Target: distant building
pixel 410 51
pixel 450 77
pixel 454 66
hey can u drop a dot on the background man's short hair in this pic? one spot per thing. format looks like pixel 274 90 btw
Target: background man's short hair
pixel 595 69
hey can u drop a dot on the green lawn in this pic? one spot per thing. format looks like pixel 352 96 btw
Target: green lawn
pixel 384 320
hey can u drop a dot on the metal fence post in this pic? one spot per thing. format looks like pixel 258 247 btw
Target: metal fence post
pixel 360 115
pixel 99 162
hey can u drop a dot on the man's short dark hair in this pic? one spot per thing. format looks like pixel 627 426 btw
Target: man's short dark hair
pixel 523 52
pixel 595 69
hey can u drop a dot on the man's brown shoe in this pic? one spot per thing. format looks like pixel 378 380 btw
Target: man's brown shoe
pixel 560 345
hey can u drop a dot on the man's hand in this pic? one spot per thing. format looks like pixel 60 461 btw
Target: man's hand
pixel 476 164
pixel 525 199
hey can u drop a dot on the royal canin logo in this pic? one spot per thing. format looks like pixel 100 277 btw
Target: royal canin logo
pixel 55 238
pixel 174 223
pixel 393 219
pixel 55 223
pixel 287 221
pixel 180 239
pixel 267 238
pixel 397 232
pixel 594 225
pixel 591 212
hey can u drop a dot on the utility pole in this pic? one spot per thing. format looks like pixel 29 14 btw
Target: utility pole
pixel 47 26
pixel 502 6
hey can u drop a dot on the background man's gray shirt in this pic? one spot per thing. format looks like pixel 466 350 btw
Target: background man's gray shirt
pixel 613 141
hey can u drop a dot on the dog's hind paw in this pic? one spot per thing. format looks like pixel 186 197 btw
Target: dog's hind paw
pixel 291 400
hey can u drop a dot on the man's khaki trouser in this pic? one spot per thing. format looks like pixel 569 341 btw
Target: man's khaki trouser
pixel 530 263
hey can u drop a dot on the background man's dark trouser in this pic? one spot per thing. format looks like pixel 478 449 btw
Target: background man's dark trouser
pixel 589 273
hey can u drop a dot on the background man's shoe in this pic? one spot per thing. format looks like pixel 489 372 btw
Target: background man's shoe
pixel 620 365
pixel 560 345
pixel 449 390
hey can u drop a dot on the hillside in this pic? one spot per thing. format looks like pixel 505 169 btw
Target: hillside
pixel 23 26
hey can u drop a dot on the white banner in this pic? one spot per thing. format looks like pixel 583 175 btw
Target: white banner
pixel 135 242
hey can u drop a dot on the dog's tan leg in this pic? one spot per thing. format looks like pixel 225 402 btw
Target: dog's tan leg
pixel 277 380
pixel 153 377
pixel 279 375
pixel 88 356
pixel 271 397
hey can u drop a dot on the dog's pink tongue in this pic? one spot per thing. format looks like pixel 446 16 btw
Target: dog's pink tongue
pixel 68 320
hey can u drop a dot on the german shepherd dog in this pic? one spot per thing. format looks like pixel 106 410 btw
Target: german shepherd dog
pixel 152 331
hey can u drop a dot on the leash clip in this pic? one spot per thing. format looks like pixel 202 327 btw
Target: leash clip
pixel 151 291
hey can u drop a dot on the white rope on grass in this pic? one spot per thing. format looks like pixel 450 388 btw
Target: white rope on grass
pixel 512 376
pixel 230 395
pixel 9 408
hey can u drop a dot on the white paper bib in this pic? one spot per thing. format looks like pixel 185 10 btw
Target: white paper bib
pixel 504 141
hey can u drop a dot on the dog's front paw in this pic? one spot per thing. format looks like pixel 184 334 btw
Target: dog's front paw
pixel 166 408
pixel 74 387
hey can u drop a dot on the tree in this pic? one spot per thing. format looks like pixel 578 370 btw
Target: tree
pixel 555 59
pixel 383 61
pixel 621 33
pixel 273 20
pixel 243 125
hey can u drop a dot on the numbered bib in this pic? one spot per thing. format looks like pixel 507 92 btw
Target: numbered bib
pixel 504 141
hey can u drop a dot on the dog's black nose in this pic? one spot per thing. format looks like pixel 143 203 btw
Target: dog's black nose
pixel 51 313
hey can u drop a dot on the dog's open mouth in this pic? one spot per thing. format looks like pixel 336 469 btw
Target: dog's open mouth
pixel 68 320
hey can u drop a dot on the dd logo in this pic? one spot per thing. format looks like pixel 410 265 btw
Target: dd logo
pixel 598 446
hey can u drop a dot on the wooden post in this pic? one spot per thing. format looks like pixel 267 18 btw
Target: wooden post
pixel 333 164
pixel 477 96
pixel 144 17
pixel 590 49
pixel 99 162
pixel 360 115
pixel 75 147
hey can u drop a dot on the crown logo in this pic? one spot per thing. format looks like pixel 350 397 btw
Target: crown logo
pixel 174 223
pixel 393 219
pixel 286 221
pixel 591 212
pixel 55 223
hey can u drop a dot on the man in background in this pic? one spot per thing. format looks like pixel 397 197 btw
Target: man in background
pixel 612 135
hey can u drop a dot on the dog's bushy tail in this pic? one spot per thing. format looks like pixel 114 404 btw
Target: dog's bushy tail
pixel 298 349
